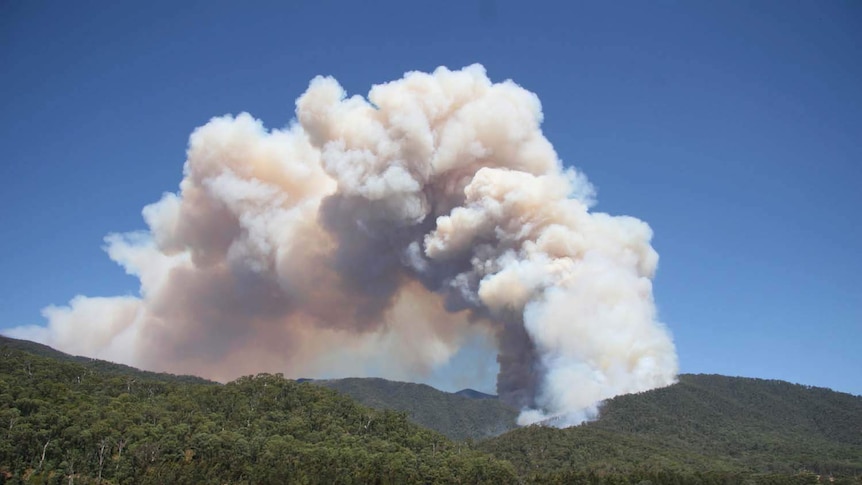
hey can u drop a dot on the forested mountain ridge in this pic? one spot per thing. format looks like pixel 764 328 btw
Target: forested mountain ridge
pixel 62 421
pixel 72 419
pixel 92 364
pixel 704 422
pixel 454 415
pixel 474 394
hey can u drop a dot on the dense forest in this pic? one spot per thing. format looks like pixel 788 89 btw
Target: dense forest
pixel 726 425
pixel 455 415
pixel 67 422
pixel 67 419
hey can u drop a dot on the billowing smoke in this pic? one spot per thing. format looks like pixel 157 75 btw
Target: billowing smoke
pixel 381 236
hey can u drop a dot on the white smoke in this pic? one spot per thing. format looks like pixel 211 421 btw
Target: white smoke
pixel 379 236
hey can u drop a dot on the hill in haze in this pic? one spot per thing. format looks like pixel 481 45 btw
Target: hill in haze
pixel 93 365
pixel 467 414
pixel 474 394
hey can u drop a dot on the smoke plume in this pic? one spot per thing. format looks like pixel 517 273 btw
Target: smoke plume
pixel 380 236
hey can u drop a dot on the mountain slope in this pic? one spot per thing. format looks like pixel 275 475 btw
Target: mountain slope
pixel 704 422
pixel 474 394
pixel 66 421
pixel 65 418
pixel 33 348
pixel 456 416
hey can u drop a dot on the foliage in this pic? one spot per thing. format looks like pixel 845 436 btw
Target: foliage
pixel 63 420
pixel 96 364
pixel 455 416
pixel 726 425
pixel 73 419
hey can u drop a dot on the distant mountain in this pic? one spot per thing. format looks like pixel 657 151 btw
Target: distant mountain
pixel 474 394
pixel 95 364
pixel 459 416
pixel 704 422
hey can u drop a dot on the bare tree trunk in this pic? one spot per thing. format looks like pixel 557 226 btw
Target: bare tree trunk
pixel 120 445
pixel 42 460
pixel 102 445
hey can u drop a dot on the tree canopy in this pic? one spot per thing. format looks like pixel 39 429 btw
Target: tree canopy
pixel 67 419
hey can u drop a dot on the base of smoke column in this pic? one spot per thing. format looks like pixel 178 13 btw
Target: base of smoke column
pixel 536 417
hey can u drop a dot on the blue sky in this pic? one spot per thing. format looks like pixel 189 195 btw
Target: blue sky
pixel 732 128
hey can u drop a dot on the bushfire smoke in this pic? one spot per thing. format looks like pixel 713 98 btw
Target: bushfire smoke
pixel 380 236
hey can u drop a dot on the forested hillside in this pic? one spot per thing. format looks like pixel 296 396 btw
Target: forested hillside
pixel 64 421
pixel 725 425
pixel 91 364
pixel 71 420
pixel 456 416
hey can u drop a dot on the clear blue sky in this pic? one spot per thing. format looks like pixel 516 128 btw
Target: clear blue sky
pixel 733 128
